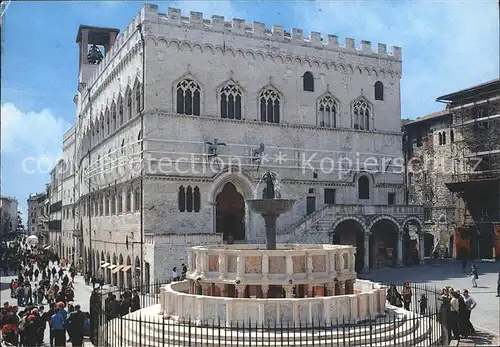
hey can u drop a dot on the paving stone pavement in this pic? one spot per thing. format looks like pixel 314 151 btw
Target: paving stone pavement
pixel 441 273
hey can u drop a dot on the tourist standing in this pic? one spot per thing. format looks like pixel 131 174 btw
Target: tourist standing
pixel 407 294
pixel 474 275
pixel 455 309
pixel 175 274
pixel 445 315
pixel 471 304
pixel 423 304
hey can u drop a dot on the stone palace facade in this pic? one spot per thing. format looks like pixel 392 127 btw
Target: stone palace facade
pixel 178 117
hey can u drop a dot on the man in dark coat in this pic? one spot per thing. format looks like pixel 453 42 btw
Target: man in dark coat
pixel 76 325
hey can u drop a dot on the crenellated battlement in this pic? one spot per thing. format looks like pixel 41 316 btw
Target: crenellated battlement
pixel 128 40
pixel 259 30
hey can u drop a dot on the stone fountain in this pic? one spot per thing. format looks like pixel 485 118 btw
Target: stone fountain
pixel 279 285
pixel 270 207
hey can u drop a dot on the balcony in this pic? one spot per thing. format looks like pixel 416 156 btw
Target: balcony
pixel 397 211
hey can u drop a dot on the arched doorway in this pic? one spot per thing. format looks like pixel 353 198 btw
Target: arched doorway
pixel 428 244
pixel 120 273
pixel 108 270
pixel 114 276
pixel 350 232
pixel 146 276
pixel 129 272
pixel 230 213
pixel 383 244
pixel 137 272
pixel 412 228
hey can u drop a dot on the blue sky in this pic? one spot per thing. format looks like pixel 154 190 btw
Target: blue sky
pixel 447 45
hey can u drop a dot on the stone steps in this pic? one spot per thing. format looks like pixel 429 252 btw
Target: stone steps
pixel 404 332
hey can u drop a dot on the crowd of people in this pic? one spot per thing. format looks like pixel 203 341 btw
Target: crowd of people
pixel 41 280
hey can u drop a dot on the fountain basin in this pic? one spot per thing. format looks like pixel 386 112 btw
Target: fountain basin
pixel 273 207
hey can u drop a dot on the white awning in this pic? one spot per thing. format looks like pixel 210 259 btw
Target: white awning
pixel 105 265
pixel 112 266
pixel 116 269
pixel 126 268
pixel 48 247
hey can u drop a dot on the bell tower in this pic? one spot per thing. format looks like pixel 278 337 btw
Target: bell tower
pixel 94 43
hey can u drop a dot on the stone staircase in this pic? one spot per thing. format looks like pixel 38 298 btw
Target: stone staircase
pixel 146 328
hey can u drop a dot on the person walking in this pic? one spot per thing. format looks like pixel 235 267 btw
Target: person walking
pixel 471 304
pixel 57 327
pixel 76 325
pixel 473 275
pixel 407 294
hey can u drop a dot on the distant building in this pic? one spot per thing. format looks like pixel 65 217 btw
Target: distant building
pixel 453 170
pixel 8 215
pixel 55 210
pixel 35 204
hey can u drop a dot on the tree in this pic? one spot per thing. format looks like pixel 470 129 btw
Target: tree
pixel 20 226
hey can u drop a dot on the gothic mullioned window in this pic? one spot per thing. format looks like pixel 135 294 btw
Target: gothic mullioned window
pixel 230 102
pixel 120 112
pixel 379 90
pixel 137 199
pixel 189 199
pixel 113 116
pixel 270 106
pixel 361 112
pixel 188 97
pixel 138 98
pixel 327 112
pixel 108 122
pixel 129 105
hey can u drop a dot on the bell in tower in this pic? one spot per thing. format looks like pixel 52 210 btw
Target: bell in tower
pixel 94 44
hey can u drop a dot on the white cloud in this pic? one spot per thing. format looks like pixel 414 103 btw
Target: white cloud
pixel 447 46
pixel 31 134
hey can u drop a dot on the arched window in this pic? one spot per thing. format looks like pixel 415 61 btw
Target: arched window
pixel 128 201
pixel 119 203
pixel 188 97
pixel 120 112
pixel 197 199
pixel 108 122
pixel 138 104
pixel 361 115
pixel 98 166
pixel 110 162
pixel 452 136
pixel 308 81
pixel 379 90
pixel 113 116
pixel 327 112
pixel 129 105
pixel 230 102
pixel 270 106
pixel 113 204
pixel 189 199
pixel 444 138
pixel 440 136
pixel 106 205
pixel 102 127
pixel 137 200
pixel 181 198
pixel 363 188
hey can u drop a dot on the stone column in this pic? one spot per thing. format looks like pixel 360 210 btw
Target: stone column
pixel 265 289
pixel 240 289
pixel 265 266
pixel 349 287
pixel 240 266
pixel 421 246
pixel 400 262
pixel 223 290
pixel 289 290
pixel 330 289
pixel 222 266
pixel 309 265
pixel 366 260
pixel 342 287
pixel 289 265
pixel 309 290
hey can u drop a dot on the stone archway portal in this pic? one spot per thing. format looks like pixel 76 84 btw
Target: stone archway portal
pixel 230 213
